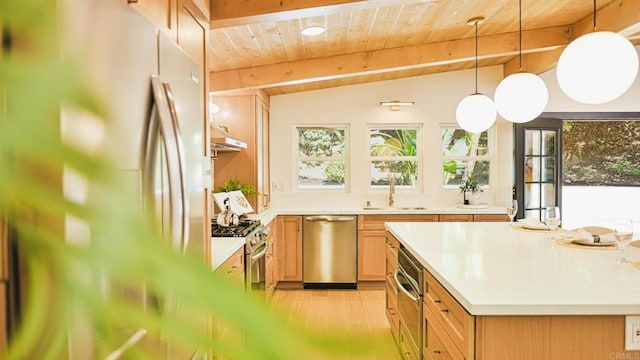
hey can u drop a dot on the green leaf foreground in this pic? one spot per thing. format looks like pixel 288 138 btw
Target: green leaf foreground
pixel 65 281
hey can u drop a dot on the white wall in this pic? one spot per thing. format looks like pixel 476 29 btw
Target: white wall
pixel 436 97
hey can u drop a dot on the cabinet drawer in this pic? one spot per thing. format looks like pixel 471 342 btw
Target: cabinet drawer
pixel 392 245
pixel 234 266
pixel 490 217
pixel 376 222
pixel 437 345
pixel 391 266
pixel 407 349
pixel 454 319
pixel 456 217
pixel 392 310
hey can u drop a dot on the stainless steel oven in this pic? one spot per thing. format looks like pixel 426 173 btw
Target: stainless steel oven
pixel 256 248
pixel 409 279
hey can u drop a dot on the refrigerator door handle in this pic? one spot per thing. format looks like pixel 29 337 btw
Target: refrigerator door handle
pixel 182 166
pixel 162 120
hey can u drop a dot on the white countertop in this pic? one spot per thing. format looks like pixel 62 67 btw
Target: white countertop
pixel 271 213
pixel 492 269
pixel 223 248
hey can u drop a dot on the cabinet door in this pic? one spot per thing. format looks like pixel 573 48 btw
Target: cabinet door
pixel 371 255
pixel 490 217
pixel 455 217
pixel 159 12
pixel 262 138
pixel 289 248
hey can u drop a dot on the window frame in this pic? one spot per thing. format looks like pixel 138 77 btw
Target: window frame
pixel 489 157
pixel 418 157
pixel 344 158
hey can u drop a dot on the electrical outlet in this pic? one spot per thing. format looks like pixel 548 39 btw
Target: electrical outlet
pixel 277 186
pixel 632 332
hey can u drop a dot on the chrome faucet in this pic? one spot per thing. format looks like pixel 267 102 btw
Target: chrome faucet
pixel 392 190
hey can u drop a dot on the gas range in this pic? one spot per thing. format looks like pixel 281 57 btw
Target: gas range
pixel 245 228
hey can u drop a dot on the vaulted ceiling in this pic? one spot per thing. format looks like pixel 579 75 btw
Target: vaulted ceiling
pixel 257 44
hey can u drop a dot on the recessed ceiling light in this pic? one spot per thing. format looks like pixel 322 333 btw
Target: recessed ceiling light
pixel 313 30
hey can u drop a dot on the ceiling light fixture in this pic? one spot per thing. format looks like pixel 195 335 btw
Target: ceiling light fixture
pixel 597 67
pixel 313 30
pixel 522 96
pixel 395 105
pixel 476 112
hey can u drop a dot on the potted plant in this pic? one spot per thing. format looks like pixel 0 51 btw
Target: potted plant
pixel 235 184
pixel 470 188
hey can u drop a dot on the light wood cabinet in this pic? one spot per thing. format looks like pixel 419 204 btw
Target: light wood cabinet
pixel 289 248
pixel 160 12
pixel 223 331
pixel 391 288
pixel 450 332
pixel 371 243
pixel 407 348
pixel 371 256
pixel 436 344
pixel 246 115
pixel 455 218
pixel 444 312
pixel 490 217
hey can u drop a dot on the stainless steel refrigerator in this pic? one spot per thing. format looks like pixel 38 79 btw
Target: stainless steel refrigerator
pixel 155 131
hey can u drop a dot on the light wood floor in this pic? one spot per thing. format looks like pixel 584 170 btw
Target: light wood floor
pixel 346 313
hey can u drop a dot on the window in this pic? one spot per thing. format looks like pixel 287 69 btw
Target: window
pixel 601 152
pixel 322 157
pixel 394 153
pixel 463 151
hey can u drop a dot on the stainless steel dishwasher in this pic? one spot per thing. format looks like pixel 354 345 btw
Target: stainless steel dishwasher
pixel 329 244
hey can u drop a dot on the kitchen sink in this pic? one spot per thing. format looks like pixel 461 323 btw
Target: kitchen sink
pixel 374 207
pixel 410 208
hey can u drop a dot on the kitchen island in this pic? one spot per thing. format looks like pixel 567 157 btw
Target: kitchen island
pixel 495 292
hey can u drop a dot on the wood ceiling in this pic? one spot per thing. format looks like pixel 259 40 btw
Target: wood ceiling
pixel 257 44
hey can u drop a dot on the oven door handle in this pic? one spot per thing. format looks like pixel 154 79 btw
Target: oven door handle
pixel 401 287
pixel 259 250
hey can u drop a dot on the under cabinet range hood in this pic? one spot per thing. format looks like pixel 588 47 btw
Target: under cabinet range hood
pixel 221 140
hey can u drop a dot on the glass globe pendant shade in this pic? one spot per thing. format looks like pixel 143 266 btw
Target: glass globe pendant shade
pixel 521 97
pixel 476 113
pixel 597 67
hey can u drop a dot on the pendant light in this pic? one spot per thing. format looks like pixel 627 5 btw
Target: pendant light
pixel 522 96
pixel 476 112
pixel 597 67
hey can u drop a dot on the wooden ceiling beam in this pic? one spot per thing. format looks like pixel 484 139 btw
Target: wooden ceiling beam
pixel 380 61
pixel 227 13
pixel 621 16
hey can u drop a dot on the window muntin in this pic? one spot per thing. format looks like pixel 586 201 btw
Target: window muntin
pixel 321 157
pixel 394 153
pixel 463 151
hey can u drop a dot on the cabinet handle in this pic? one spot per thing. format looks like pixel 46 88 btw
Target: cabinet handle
pixel 444 310
pixel 436 301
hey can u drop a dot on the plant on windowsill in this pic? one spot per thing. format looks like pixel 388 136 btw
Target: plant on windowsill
pixel 470 188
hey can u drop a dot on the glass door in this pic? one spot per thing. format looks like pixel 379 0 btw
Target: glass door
pixel 538 163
